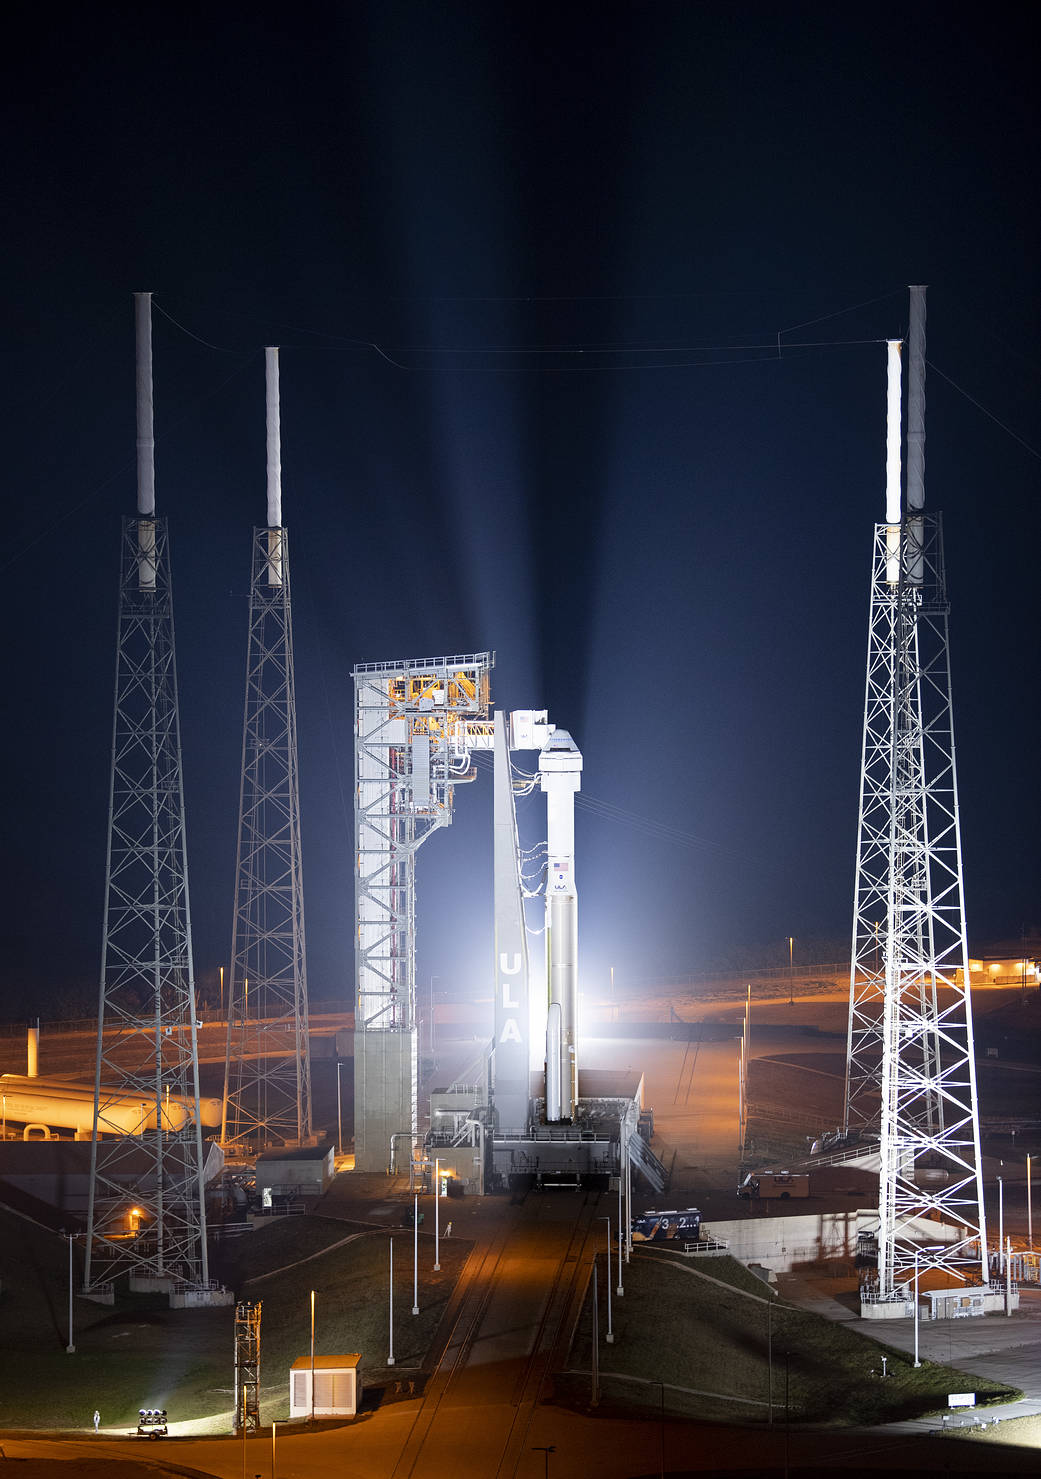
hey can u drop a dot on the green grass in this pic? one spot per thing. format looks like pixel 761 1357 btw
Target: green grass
pixel 675 1327
pixel 140 1353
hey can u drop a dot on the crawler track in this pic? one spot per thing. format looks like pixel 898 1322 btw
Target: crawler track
pixel 562 1277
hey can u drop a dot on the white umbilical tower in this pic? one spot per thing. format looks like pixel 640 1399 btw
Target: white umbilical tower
pixel 267 1079
pixel 415 725
pixel 911 1072
pixel 146 1209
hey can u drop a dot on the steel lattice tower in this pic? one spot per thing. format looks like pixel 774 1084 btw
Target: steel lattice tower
pixel 910 1063
pixel 267 1093
pixel 247 1367
pixel 147 1068
pixel 413 726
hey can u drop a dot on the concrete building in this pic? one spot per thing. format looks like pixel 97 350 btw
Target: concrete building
pixel 305 1172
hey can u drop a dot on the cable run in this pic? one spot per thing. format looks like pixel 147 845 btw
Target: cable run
pixel 220 348
pixel 980 407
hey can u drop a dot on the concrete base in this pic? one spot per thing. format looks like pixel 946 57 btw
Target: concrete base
pixel 889 1309
pixel 104 1294
pixel 200 1299
pixel 784 1244
pixel 150 1284
pixel 382 1095
pixel 953 1304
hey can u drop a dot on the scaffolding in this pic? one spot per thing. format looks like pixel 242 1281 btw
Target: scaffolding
pixel 414 723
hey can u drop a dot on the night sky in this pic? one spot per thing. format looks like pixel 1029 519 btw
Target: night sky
pixel 580 310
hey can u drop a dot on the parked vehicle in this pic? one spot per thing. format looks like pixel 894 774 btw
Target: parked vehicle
pixel 780 1184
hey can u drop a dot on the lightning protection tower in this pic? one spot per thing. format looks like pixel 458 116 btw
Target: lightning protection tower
pixel 414 722
pixel 910 1063
pixel 146 1209
pixel 267 1079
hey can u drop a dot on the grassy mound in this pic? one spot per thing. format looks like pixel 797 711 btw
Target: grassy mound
pixel 140 1353
pixel 698 1340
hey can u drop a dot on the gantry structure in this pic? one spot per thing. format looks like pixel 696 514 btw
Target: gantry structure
pixel 267 1078
pixel 146 1208
pixel 911 1073
pixel 415 722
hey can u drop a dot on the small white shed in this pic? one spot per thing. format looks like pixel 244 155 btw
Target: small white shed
pixel 337 1386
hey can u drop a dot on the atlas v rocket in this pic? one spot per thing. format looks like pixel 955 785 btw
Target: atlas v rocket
pixel 560 771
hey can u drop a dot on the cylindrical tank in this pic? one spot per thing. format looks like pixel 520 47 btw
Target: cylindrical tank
pixel 71 1107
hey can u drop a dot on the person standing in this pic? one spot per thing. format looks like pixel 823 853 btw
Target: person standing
pixel 97 1419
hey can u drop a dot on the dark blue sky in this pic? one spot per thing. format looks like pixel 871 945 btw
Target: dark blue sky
pixel 563 226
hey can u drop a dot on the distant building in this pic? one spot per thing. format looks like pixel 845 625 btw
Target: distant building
pixel 1003 970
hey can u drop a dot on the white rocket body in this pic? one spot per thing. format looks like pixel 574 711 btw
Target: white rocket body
pixel 560 773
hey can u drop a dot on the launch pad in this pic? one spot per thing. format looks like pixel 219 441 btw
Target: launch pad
pixel 529 1115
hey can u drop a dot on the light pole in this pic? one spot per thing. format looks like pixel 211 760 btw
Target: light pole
pixel 791 970
pixel 932 1248
pixel 339 1111
pixel 312 1357
pixel 595 1372
pixel 390 1319
pixel 437 1216
pixel 222 993
pixel 1030 1212
pixel 415 1256
pixel 621 1288
pixel 547 1449
pixel 610 1328
pixel 661 1428
pixel 70 1349
pixel 770 1364
pixel 1001 1226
